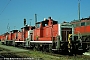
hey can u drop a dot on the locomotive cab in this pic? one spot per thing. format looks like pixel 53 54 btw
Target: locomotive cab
pixel 66 40
pixel 65 37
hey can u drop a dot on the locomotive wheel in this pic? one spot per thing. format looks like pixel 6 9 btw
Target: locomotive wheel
pixel 50 48
pixel 34 48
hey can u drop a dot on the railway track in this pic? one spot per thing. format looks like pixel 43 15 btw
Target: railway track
pixel 37 54
pixel 65 56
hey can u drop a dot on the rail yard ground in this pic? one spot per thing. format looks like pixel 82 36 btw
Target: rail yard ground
pixel 10 52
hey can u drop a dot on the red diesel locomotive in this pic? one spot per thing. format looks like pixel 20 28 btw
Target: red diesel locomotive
pixel 82 26
pixel 48 35
pixel 82 29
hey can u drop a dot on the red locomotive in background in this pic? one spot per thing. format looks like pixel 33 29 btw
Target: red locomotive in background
pixel 82 28
pixel 48 35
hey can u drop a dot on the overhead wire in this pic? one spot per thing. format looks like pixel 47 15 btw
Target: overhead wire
pixel 5 7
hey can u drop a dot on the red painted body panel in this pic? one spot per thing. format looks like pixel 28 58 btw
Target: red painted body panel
pixel 13 36
pixel 87 29
pixel 26 35
pixel 1 37
pixel 77 30
pixel 9 37
pixel 4 36
pixel 82 30
pixel 46 33
pixel 20 36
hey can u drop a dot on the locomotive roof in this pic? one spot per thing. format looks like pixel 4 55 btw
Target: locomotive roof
pixel 85 18
pixel 14 31
pixel 81 19
pixel 42 21
pixel 27 26
pixel 45 21
pixel 5 33
pixel 66 23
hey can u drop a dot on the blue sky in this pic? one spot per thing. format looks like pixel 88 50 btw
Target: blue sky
pixel 60 10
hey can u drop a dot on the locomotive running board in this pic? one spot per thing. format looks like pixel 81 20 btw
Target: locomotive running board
pixel 41 41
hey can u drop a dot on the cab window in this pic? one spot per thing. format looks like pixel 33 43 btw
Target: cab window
pixel 82 23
